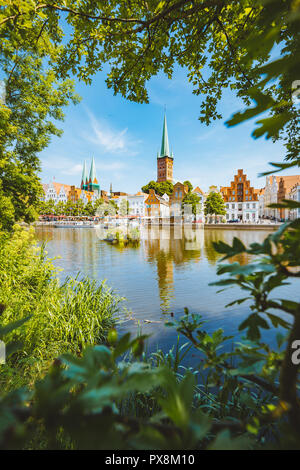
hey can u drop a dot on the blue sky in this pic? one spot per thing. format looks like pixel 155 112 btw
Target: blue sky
pixel 124 138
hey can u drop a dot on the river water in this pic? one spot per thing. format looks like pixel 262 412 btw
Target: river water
pixel 168 271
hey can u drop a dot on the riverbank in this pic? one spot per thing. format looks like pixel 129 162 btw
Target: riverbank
pixel 271 227
pixel 62 317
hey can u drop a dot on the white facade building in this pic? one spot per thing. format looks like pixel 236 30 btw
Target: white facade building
pixel 261 203
pixel 56 192
pixel 271 195
pixel 295 196
pixel 136 203
pixel 244 211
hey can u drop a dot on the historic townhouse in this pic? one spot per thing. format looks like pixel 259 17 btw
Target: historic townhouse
pixel 136 203
pixel 56 192
pixel 201 196
pixel 271 195
pixel 286 183
pixel 261 202
pixel 77 194
pixel 165 158
pixel 294 194
pixel 156 206
pixel 240 199
pixel 179 192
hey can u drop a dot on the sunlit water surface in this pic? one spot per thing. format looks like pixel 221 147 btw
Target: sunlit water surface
pixel 166 273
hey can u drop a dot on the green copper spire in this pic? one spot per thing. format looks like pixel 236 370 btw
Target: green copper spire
pixel 84 176
pixel 92 171
pixel 93 182
pixel 165 151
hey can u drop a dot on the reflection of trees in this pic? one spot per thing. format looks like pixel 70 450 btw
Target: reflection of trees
pixel 78 247
pixel 210 236
pixel 246 236
pixel 166 247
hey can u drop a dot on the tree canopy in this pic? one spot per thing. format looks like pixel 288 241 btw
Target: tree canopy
pixel 165 187
pixel 214 204
pixel 221 45
pixel 189 185
pixel 193 200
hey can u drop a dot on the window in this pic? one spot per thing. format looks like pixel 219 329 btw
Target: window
pixel 232 206
pixel 247 206
pixel 250 198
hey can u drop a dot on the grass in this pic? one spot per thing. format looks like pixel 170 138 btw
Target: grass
pixel 64 317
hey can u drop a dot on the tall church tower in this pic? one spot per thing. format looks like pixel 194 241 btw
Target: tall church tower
pixel 93 184
pixel 84 178
pixel 165 158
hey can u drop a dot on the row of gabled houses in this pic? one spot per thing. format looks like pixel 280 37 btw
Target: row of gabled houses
pixel 242 201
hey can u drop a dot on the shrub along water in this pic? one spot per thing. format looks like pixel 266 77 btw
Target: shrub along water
pixel 63 317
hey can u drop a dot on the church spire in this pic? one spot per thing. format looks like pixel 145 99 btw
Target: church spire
pixel 84 176
pixel 93 178
pixel 165 150
pixel 93 182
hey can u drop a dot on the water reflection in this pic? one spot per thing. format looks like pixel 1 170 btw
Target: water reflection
pixel 171 269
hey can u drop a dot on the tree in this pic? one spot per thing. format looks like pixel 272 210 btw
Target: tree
pixel 89 209
pixel 33 100
pixel 60 208
pixel 164 187
pixel 189 185
pixel 193 201
pixel 219 44
pixel 151 185
pixel 124 207
pixel 214 204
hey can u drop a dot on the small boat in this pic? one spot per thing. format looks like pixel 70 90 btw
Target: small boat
pixel 76 224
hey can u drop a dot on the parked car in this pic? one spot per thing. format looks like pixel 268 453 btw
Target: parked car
pixel 233 221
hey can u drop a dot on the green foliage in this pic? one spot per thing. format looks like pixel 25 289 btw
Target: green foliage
pixel 124 207
pixel 221 46
pixel 70 208
pixel 189 185
pixel 165 187
pixel 214 204
pixel 34 98
pixel 63 317
pixel 87 401
pixel 275 262
pixel 193 201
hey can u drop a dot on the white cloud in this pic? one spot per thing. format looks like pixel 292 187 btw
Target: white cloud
pixel 109 139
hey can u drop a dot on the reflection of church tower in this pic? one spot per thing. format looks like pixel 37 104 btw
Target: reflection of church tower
pixel 165 158
pixel 159 253
pixel 165 272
